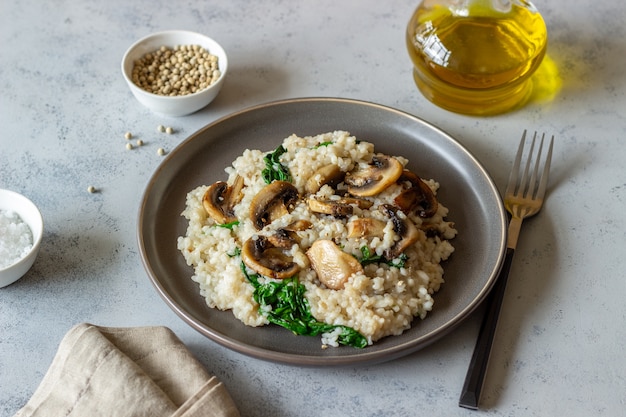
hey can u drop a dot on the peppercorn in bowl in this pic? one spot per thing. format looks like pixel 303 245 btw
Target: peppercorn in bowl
pixel 176 72
pixel 21 227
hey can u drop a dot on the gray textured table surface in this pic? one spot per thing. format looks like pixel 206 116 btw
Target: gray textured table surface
pixel 64 109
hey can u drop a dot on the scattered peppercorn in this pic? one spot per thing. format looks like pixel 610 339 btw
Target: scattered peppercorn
pixel 183 70
pixel 91 189
pixel 129 146
pixel 139 142
pixel 161 151
pixel 160 128
pixel 128 135
pixel 169 130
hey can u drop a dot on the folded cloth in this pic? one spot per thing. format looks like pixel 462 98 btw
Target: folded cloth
pixel 141 371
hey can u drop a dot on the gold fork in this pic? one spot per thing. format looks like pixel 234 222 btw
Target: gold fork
pixel 523 198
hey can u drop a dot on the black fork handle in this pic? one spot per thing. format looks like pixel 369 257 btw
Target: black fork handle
pixel 470 395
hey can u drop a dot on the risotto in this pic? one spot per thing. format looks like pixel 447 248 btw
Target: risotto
pixel 322 235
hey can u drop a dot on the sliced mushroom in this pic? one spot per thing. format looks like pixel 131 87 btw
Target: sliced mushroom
pixel 272 202
pixel 331 207
pixel 327 175
pixel 283 238
pixel 418 197
pixel 287 236
pixel 366 227
pixel 430 230
pixel 332 265
pixel 383 171
pixel 403 227
pixel 359 202
pixel 299 225
pixel 263 258
pixel 219 200
pixel 341 207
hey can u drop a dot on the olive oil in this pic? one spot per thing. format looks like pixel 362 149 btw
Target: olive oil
pixel 476 59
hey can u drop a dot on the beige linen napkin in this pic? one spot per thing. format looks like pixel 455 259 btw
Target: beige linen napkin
pixel 141 371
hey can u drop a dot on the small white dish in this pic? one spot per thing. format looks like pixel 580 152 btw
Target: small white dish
pixel 174 105
pixel 11 201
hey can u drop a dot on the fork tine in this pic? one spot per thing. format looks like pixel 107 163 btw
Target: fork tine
pixel 522 191
pixel 530 191
pixel 543 183
pixel 511 185
pixel 531 184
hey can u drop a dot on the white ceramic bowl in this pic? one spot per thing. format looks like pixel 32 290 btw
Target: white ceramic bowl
pixel 29 213
pixel 174 105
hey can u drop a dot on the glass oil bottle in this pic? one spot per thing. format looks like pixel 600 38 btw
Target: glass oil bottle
pixel 476 56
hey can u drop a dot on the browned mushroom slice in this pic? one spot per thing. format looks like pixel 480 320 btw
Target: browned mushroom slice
pixel 340 207
pixel 430 230
pixel 287 236
pixel 272 202
pixel 358 202
pixel 265 259
pixel 327 175
pixel 366 227
pixel 299 225
pixel 418 197
pixel 331 207
pixel 404 228
pixel 383 171
pixel 219 200
pixel 283 238
pixel 333 266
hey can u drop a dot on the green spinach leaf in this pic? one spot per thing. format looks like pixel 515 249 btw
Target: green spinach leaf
pixel 284 304
pixel 274 170
pixel 319 145
pixel 228 225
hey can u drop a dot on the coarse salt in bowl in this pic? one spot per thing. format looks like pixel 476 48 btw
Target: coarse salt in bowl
pixel 176 105
pixel 21 230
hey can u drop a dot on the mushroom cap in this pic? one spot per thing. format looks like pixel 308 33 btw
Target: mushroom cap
pixel 418 197
pixel 284 238
pixel 366 227
pixel 334 208
pixel 339 207
pixel 333 266
pixel 329 174
pixel 265 259
pixel 274 200
pixel 299 225
pixel 404 227
pixel 383 171
pixel 220 199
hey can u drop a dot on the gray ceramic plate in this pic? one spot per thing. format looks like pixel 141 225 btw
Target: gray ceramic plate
pixel 466 189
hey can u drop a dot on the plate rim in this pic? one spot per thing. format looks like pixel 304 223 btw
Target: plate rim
pixel 363 356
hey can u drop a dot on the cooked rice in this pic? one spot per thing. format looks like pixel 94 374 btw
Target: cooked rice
pixel 380 302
